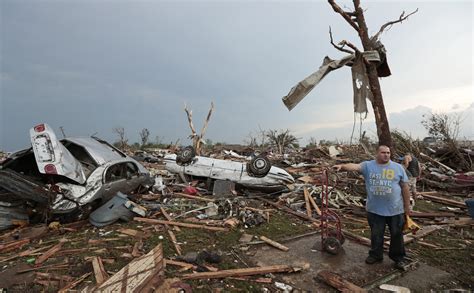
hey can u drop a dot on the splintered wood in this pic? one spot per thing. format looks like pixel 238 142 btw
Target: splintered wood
pixel 187 225
pixel 239 272
pixel 99 271
pixel 274 243
pixel 339 283
pixel 140 275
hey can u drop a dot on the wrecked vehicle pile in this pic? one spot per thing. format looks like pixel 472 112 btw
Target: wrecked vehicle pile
pixel 230 221
pixel 67 178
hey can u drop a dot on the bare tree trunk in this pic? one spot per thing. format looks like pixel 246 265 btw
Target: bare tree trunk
pixel 357 20
pixel 383 129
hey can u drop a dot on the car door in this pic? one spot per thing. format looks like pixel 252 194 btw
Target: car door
pixel 52 157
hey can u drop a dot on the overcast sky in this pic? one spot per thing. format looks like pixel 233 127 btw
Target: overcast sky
pixel 90 66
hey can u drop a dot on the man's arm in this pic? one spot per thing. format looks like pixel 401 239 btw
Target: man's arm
pixel 406 161
pixel 406 197
pixel 347 167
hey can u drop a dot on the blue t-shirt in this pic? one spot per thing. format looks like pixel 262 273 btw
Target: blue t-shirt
pixel 382 183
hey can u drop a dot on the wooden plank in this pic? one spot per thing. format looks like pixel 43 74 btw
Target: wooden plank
pixel 430 215
pixel 446 201
pixel 187 225
pixel 140 275
pixel 53 250
pixel 175 242
pixel 193 197
pixel 25 253
pixel 238 272
pixel 168 217
pixel 315 206
pixel 179 264
pixel 130 232
pixel 437 162
pixel 13 245
pixel 274 243
pixel 424 231
pixel 309 211
pixel 99 271
pixel 74 284
pixel 338 282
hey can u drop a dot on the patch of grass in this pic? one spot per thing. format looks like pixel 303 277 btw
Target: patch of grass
pixel 458 262
pixel 426 206
pixel 280 226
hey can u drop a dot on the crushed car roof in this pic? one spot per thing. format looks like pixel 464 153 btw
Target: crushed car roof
pixel 100 151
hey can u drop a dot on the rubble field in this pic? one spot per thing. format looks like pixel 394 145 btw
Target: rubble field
pixel 187 233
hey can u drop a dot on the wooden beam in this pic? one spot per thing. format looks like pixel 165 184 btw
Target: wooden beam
pixel 193 197
pixel 445 201
pixel 130 232
pixel 168 217
pixel 338 282
pixel 315 206
pixel 309 212
pixel 430 214
pixel 13 245
pixel 99 271
pixel 174 241
pixel 185 265
pixel 49 253
pixel 274 243
pixel 187 225
pixel 239 272
pixel 424 231
pixel 437 162
pixel 75 283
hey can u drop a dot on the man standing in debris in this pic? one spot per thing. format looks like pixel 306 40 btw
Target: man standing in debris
pixel 388 203
pixel 412 167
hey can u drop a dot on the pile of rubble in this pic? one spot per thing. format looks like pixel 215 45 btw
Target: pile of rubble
pixel 99 220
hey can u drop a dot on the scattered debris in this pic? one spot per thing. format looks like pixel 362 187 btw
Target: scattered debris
pixel 210 212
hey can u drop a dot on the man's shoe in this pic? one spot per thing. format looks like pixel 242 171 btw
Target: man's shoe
pixel 401 265
pixel 370 260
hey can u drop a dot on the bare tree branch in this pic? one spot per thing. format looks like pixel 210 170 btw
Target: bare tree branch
pixel 350 45
pixel 344 14
pixel 190 120
pixel 197 138
pixel 390 23
pixel 204 128
pixel 340 48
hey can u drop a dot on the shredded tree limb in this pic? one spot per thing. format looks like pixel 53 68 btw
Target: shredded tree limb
pixel 390 23
pixel 344 14
pixel 340 48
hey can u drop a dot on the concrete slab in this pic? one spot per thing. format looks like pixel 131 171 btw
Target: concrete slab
pixel 349 263
pixel 422 279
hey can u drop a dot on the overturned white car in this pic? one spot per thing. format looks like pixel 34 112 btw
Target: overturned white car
pixel 258 173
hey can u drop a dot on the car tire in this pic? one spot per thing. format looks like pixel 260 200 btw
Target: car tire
pixel 332 245
pixel 259 166
pixel 185 156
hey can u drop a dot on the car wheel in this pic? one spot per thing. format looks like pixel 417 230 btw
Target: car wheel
pixel 185 156
pixel 259 166
pixel 332 245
